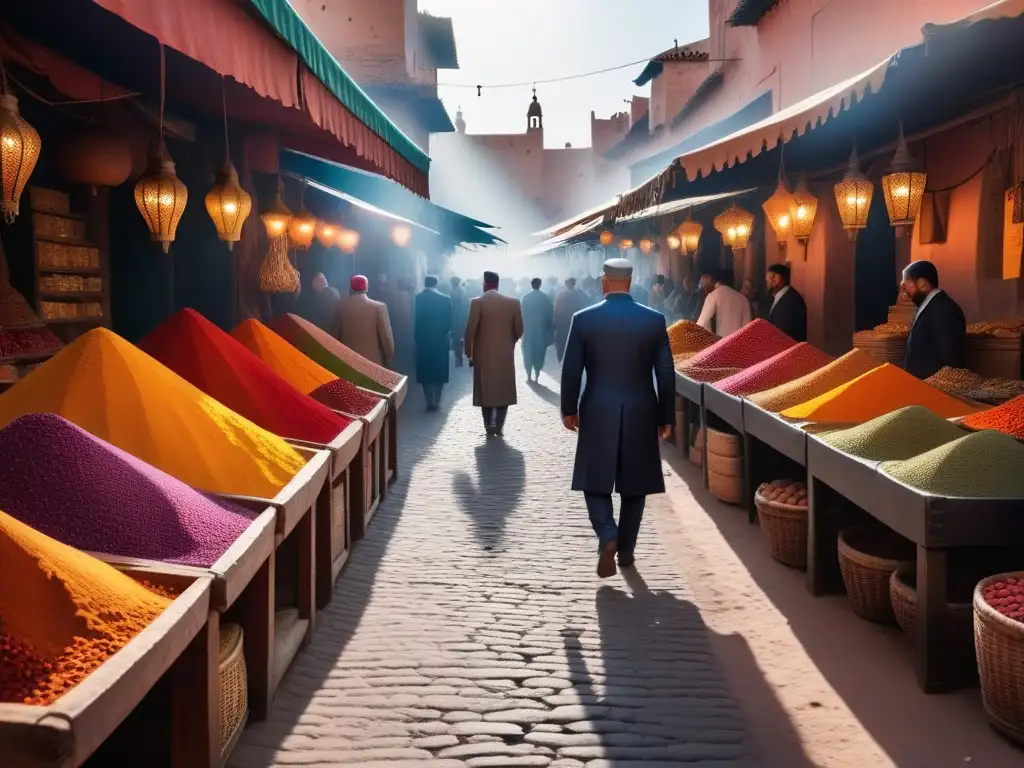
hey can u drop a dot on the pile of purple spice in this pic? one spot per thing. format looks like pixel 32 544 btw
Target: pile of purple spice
pixel 75 488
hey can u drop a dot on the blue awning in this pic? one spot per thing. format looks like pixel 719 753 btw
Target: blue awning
pixel 438 43
pixel 415 102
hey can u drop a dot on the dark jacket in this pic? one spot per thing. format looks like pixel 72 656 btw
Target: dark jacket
pixel 938 338
pixel 789 315
pixel 618 343
pixel 433 336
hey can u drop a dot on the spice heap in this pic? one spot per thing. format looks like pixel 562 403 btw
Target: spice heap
pixel 88 494
pixel 792 363
pixel 998 330
pixel 1007 418
pixel 301 372
pixel 333 355
pixel 899 435
pixel 885 329
pixel 123 396
pixel 997 390
pixel 755 342
pixel 14 308
pixel 790 492
pixel 955 381
pixel 846 368
pixel 204 355
pixel 903 311
pixel 27 341
pixel 687 338
pixel 63 613
pixel 1007 597
pixel 985 464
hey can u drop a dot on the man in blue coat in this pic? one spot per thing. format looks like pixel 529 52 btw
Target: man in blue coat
pixel 619 344
pixel 433 340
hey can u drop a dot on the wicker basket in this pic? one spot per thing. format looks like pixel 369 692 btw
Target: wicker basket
pixel 724 444
pixel 999 643
pixel 234 688
pixel 729 466
pixel 994 357
pixel 867 558
pixel 903 593
pixel 696 450
pixel 785 529
pixel 49 200
pixel 723 487
pixel 888 349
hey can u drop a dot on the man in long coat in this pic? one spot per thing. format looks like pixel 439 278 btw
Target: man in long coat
pixel 363 324
pixel 538 329
pixel 618 343
pixel 567 303
pixel 433 340
pixel 494 327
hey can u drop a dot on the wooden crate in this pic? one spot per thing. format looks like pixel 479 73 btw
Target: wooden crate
pixel 372 480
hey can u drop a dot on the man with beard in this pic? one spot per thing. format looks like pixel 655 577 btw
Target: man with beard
pixel 788 312
pixel 938 337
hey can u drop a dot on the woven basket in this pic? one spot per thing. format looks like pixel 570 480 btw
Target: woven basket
pixel 785 529
pixel 994 357
pixel 728 466
pixel 724 444
pixel 234 688
pixel 338 542
pixel 999 643
pixel 696 450
pixel 867 558
pixel 903 593
pixel 725 488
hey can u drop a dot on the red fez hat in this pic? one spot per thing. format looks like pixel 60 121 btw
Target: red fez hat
pixel 359 283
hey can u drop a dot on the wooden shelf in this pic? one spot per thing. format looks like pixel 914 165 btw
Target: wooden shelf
pixel 75 320
pixel 90 295
pixel 65 241
pixel 72 270
pixel 75 216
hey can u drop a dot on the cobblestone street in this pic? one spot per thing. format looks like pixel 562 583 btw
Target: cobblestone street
pixel 469 629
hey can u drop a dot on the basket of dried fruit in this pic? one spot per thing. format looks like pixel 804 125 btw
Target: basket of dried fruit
pixel 782 510
pixel 999 644
pixel 868 555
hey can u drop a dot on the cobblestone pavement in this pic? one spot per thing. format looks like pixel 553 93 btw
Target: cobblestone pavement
pixel 469 629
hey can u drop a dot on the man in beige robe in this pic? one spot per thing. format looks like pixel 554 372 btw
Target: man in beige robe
pixel 495 326
pixel 363 324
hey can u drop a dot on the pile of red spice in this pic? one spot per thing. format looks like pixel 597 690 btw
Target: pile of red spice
pixel 214 362
pixel 1007 418
pixel 346 397
pixel 752 344
pixel 792 363
pixel 27 341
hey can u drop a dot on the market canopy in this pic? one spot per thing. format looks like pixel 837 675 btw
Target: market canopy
pixel 365 206
pixel 676 206
pixel 566 237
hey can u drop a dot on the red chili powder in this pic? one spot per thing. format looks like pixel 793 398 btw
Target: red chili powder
pixel 1007 418
pixel 792 363
pixel 213 361
pixel 752 344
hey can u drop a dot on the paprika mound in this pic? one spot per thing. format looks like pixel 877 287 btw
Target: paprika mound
pixel 846 368
pixel 123 396
pixel 792 363
pixel 985 464
pixel 750 345
pixel 1007 418
pixel 899 435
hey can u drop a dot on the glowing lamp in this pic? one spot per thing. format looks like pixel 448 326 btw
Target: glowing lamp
pixel 689 234
pixel 625 243
pixel 776 208
pixel 853 198
pixel 607 238
pixel 802 208
pixel 19 151
pixel 348 240
pixel 736 226
pixel 327 234
pixel 277 217
pixel 903 186
pixel 401 235
pixel 228 205
pixel 161 197
pixel 302 229
pixel 674 242
pixel 646 245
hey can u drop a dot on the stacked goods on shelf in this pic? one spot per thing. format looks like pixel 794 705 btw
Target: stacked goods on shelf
pixel 980 465
pixel 1007 418
pixel 330 353
pixel 210 359
pixel 686 339
pixel 782 511
pixel 123 396
pixel 848 367
pixel 999 641
pixel 725 466
pixel 793 363
pixel 886 342
pixel 752 344
pixel 62 614
pixel 994 349
pixel 965 383
pixel 302 372
pixel 876 393
pixel 902 434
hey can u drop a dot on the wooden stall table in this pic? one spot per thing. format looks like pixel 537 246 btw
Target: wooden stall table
pixel 395 401
pixel 369 487
pixel 691 393
pixel 772 447
pixel 175 648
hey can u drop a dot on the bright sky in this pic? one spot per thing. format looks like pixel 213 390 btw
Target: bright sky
pixel 513 41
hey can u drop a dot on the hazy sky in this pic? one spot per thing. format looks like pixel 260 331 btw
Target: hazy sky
pixel 512 41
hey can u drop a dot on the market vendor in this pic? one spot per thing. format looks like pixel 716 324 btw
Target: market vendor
pixel 938 337
pixel 363 324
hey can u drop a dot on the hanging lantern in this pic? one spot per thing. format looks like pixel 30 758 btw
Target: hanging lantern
pixel 607 238
pixel 625 243
pixel 689 234
pixel 327 234
pixel 277 217
pixel 673 241
pixel 853 197
pixel 19 151
pixel 401 235
pixel 903 187
pixel 228 205
pixel 94 157
pixel 736 226
pixel 161 197
pixel 646 245
pixel 277 275
pixel 348 240
pixel 776 208
pixel 302 229
pixel 802 209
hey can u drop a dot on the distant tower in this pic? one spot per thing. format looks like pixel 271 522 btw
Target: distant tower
pixel 460 124
pixel 534 115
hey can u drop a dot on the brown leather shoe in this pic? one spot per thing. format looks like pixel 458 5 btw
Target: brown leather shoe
pixel 606 563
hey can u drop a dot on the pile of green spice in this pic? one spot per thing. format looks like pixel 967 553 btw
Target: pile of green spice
pixel 899 435
pixel 985 464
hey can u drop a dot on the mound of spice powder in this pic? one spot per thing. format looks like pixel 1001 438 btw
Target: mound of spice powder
pixel 828 377
pixel 203 354
pixel 876 393
pixel 981 465
pixel 301 372
pixel 899 435
pixel 62 614
pixel 1007 418
pixel 326 350
pixel 123 396
pixel 792 363
pixel 88 494
pixel 685 337
pixel 752 344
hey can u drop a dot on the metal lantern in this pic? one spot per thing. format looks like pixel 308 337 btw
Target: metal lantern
pixel 348 240
pixel 646 245
pixel 776 208
pixel 327 234
pixel 277 217
pixel 228 205
pixel 689 234
pixel 19 151
pixel 625 243
pixel 736 226
pixel 161 197
pixel 302 229
pixel 903 186
pixel 607 238
pixel 401 235
pixel 673 241
pixel 853 197
pixel 802 209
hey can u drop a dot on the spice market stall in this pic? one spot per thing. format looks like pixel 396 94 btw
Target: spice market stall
pixel 686 339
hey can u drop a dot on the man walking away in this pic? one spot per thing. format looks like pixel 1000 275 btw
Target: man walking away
pixel 324 303
pixel 568 303
pixel 494 327
pixel 433 340
pixel 725 310
pixel 363 325
pixel 538 329
pixel 788 312
pixel 618 344
pixel 460 312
